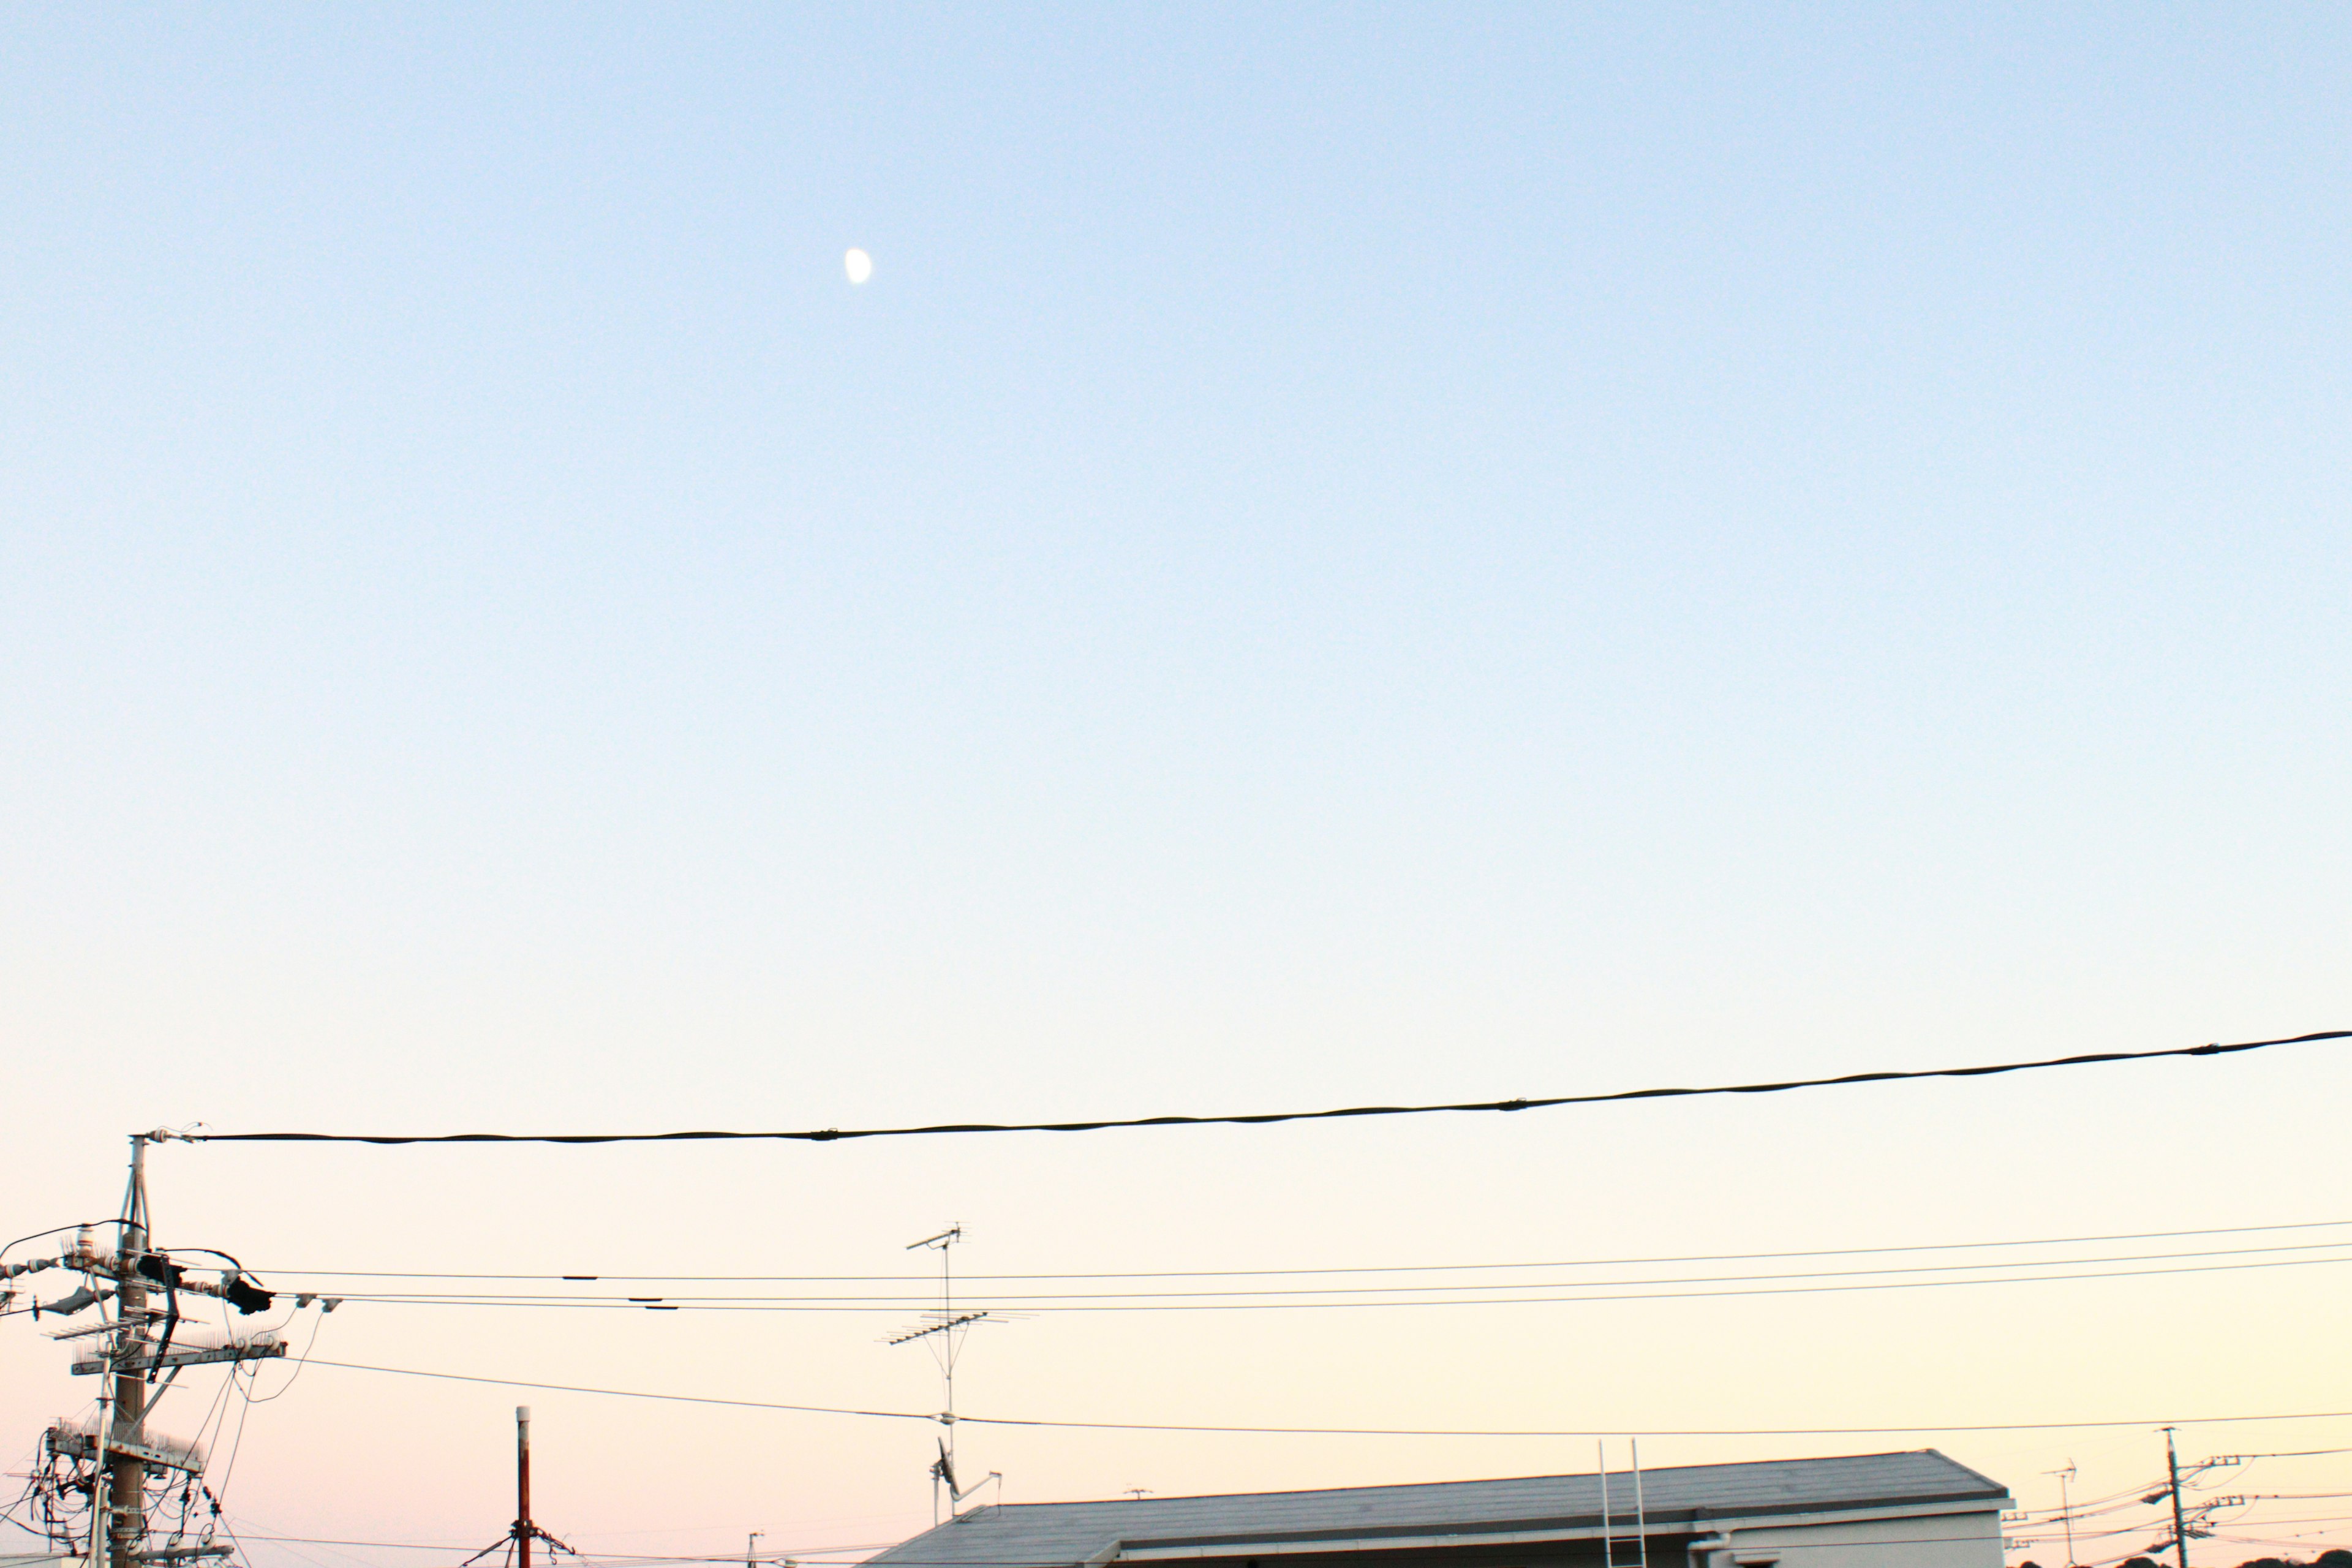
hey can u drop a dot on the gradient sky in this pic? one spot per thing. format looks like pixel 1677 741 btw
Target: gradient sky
pixel 1429 554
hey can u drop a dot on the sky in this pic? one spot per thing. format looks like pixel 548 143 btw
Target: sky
pixel 1342 556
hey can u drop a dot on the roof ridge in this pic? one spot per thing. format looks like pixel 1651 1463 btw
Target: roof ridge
pixel 1647 1471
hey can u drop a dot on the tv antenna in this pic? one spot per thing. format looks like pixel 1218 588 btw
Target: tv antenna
pixel 945 1329
pixel 2065 1511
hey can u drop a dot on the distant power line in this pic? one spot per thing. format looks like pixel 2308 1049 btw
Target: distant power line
pixel 1369 1268
pixel 1346 1431
pixel 833 1134
pixel 775 1559
pixel 1411 1296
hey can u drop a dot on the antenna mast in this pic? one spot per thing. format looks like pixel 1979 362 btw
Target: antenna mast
pixel 2065 1508
pixel 524 1529
pixel 949 1326
pixel 523 1526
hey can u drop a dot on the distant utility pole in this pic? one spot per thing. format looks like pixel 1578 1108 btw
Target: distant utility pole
pixel 2182 1528
pixel 2179 1525
pixel 752 1550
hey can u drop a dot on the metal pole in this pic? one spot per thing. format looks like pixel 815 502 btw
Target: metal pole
pixel 2179 1527
pixel 1641 1516
pixel 750 1549
pixel 523 1526
pixel 2066 1510
pixel 98 1476
pixel 1608 1547
pixel 948 1343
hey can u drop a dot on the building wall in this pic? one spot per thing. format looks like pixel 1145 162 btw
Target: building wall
pixel 1970 1539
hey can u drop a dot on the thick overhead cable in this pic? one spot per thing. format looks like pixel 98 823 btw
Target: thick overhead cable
pixel 833 1134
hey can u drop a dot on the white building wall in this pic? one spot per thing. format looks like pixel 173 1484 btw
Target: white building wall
pixel 1968 1540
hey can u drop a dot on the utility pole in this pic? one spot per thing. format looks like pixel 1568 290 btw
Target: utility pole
pixel 123 1519
pixel 2179 1525
pixel 752 1550
pixel 129 1348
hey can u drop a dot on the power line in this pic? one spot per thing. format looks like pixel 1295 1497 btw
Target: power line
pixel 767 1557
pixel 1018 1299
pixel 1030 1561
pixel 1294 1273
pixel 656 1304
pixel 833 1134
pixel 776 1559
pixel 1336 1431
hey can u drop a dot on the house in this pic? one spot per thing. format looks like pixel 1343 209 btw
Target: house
pixel 1914 1510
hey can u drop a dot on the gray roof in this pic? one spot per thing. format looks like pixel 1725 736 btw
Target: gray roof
pixel 1054 1533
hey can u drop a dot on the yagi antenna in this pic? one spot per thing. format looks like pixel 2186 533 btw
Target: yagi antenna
pixel 947 1327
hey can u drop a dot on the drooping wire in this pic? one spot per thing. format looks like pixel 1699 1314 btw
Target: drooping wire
pixel 300 1363
pixel 237 1372
pixel 833 1134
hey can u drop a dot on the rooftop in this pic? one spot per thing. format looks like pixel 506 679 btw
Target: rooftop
pixel 1048 1534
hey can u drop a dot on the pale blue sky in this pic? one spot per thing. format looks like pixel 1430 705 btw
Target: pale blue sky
pixel 1431 552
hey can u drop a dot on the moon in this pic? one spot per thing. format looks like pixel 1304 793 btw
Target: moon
pixel 858 265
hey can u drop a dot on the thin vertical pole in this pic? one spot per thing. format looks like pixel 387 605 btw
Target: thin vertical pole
pixel 947 1339
pixel 1641 1516
pixel 98 1499
pixel 523 1526
pixel 1608 1547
